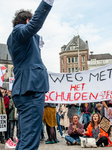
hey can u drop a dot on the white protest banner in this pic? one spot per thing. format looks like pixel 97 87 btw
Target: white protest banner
pixel 80 87
pixel 11 81
pixel 3 123
pixel 2 74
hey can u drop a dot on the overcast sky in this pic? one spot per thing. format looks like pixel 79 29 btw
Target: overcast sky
pixel 92 19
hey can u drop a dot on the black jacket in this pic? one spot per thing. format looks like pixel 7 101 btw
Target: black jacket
pixel 90 110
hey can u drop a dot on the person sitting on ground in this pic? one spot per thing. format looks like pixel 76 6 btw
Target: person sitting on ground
pixel 74 131
pixel 94 130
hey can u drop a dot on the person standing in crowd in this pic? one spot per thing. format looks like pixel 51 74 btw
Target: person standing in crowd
pixel 6 98
pixel 49 117
pixel 6 102
pixel 74 131
pixel 64 120
pixel 72 109
pixel 86 109
pixel 11 116
pixel 58 112
pixel 98 108
pixel 2 111
pixel 94 130
pixel 31 77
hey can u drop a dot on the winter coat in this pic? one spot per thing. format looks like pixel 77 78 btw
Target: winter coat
pixel 11 110
pixel 64 121
pixel 90 109
pixel 78 132
pixel 2 106
pixel 6 102
pixel 103 133
pixel 72 109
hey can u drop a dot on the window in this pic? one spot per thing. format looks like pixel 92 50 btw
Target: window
pixel 69 70
pixel 72 59
pixel 62 61
pixel 72 69
pixel 76 59
pixel 83 68
pixel 72 48
pixel 62 70
pixel 68 60
pixel 83 58
pixel 76 69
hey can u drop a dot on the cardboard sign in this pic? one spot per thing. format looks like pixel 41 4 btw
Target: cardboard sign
pixel 105 124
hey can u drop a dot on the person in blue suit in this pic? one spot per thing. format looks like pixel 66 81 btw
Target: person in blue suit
pixel 31 78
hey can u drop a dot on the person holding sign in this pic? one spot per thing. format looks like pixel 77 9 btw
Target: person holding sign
pixel 31 78
pixel 94 130
pixel 2 111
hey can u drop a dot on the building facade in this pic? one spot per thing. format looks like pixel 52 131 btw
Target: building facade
pixel 74 56
pixel 98 60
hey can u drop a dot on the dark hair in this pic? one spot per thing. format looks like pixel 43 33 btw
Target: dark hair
pixel 92 122
pixel 21 16
pixel 1 94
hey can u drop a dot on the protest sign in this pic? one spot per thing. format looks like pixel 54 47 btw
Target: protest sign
pixel 3 123
pixel 2 74
pixel 11 81
pixel 80 87
pixel 105 124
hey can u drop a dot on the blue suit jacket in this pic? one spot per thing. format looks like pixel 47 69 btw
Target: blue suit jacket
pixel 23 45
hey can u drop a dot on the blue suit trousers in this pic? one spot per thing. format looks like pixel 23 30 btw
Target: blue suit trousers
pixel 30 112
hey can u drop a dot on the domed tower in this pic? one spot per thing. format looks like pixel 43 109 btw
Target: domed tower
pixel 74 56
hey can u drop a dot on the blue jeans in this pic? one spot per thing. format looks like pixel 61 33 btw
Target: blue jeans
pixel 58 123
pixel 72 139
pixel 30 113
pixel 86 117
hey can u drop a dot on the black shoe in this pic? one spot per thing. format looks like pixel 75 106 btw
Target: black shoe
pixel 56 141
pixel 3 141
pixel 101 145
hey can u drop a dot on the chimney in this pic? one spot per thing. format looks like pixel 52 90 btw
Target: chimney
pixel 87 42
pixel 91 52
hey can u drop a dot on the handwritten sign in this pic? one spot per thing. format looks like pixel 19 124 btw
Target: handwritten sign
pixel 80 87
pixel 105 124
pixel 3 123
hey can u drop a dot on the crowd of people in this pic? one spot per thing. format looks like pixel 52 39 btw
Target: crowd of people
pixel 7 107
pixel 76 121
pixel 72 121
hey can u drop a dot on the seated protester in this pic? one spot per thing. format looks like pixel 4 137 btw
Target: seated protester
pixel 74 131
pixel 94 130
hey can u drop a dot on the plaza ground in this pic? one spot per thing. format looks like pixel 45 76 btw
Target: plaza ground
pixel 60 146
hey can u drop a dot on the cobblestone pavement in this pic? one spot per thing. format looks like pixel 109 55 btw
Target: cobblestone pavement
pixel 60 146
